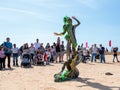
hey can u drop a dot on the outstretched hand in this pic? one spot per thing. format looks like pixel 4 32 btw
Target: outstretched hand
pixel 55 33
pixel 73 17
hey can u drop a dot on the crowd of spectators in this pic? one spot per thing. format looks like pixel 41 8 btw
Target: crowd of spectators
pixel 50 53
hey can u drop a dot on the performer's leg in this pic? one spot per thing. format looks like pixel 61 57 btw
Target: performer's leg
pixel 68 49
pixel 74 50
pixel 73 65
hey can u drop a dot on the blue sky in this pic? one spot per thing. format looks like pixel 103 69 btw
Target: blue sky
pixel 25 20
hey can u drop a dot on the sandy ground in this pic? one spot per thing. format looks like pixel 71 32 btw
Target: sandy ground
pixel 92 77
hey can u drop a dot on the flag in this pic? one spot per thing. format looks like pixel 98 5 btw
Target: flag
pixel 110 43
pixel 86 44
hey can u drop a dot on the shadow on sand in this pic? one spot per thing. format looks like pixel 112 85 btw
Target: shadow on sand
pixel 98 86
pixel 10 69
pixel 94 85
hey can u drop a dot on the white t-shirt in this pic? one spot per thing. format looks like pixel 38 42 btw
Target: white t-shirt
pixel 32 50
pixel 84 52
pixel 94 50
pixel 37 45
pixel 48 54
pixel 15 50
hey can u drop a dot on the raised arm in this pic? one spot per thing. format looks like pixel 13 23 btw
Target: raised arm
pixel 78 22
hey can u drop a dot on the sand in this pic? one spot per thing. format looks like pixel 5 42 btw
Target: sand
pixel 92 77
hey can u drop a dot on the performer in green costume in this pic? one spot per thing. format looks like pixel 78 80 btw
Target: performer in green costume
pixel 69 30
pixel 72 71
pixel 63 74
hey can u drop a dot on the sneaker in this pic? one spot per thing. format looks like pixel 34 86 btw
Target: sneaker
pixel 17 65
pixel 0 68
pixel 3 69
pixel 9 67
pixel 60 61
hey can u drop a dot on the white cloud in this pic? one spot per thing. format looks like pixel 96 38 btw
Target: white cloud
pixel 18 10
pixel 41 16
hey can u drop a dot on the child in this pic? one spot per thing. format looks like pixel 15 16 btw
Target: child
pixel 2 58
pixel 53 54
pixel 15 52
pixel 38 57
pixel 48 53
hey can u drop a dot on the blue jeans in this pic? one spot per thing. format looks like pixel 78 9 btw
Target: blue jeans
pixel 48 60
pixel 15 58
pixel 84 59
pixel 102 58
pixel 93 57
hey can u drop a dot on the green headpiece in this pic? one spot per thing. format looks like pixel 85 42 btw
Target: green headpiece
pixel 65 19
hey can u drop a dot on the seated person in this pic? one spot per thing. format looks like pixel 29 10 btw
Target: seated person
pixel 38 57
pixel 65 75
pixel 26 51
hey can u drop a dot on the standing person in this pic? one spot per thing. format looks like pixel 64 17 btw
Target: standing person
pixel 80 50
pixel 94 51
pixel 102 53
pixel 57 48
pixel 32 52
pixel 84 54
pixel 2 58
pixel 15 52
pixel 69 28
pixel 62 51
pixel 7 48
pixel 47 46
pixel 58 40
pixel 21 51
pixel 115 54
pixel 42 48
pixel 53 53
pixel 37 44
